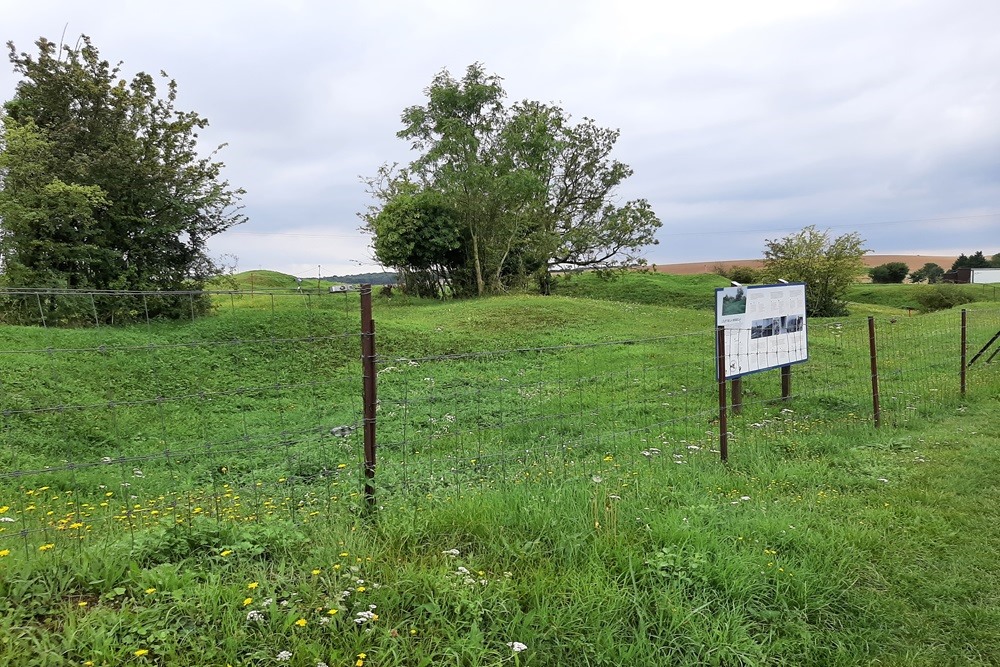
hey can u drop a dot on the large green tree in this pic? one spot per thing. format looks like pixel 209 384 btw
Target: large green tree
pixel 974 261
pixel 826 265
pixel 526 191
pixel 103 186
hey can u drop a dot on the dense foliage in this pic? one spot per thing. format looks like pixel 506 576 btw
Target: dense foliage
pixel 741 273
pixel 102 183
pixel 827 266
pixel 501 195
pixel 893 272
pixel 976 261
pixel 931 272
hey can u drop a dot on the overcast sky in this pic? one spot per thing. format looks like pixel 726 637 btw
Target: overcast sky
pixel 743 121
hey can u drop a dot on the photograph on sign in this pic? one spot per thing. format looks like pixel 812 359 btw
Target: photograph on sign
pixel 765 326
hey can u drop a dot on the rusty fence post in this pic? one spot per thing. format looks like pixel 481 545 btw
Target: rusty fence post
pixel 720 365
pixel 965 342
pixel 876 405
pixel 369 390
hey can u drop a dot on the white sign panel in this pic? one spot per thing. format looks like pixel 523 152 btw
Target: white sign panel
pixel 765 326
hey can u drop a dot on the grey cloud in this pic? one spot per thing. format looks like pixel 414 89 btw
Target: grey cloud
pixel 852 115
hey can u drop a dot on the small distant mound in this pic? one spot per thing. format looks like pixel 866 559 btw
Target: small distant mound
pixel 263 280
pixel 646 287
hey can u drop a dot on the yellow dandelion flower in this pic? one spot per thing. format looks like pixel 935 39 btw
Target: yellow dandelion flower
pixel 252 585
pixel 344 554
pixel 88 663
pixel 333 612
pixel 82 603
pixel 226 552
pixel 4 552
pixel 4 509
pixel 315 572
pixel 361 589
pixel 46 547
pixel 301 622
pixel 247 601
pixel 140 652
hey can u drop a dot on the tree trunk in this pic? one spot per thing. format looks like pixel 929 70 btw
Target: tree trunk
pixel 480 287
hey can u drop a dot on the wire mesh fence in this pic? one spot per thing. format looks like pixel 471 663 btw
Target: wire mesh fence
pixel 257 410
pixel 462 421
pixel 108 429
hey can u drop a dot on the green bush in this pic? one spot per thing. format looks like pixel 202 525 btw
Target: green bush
pixel 893 272
pixel 941 298
pixel 746 275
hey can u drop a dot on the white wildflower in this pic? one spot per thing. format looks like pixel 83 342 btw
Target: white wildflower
pixel 363 617
pixel 517 647
pixel 284 656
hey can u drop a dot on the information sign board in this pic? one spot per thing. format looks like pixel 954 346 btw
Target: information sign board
pixel 765 326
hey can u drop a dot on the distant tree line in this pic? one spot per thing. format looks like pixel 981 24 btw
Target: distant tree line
pixel 379 278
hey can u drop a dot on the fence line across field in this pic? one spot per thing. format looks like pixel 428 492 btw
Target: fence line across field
pixel 350 426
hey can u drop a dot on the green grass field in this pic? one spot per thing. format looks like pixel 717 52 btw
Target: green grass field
pixel 189 493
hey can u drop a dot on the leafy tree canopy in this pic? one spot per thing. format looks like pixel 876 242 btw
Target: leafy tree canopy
pixel 892 272
pixel 931 272
pixel 102 184
pixel 501 194
pixel 975 261
pixel 826 265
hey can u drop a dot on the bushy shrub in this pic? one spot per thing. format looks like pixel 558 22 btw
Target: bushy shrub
pixel 941 298
pixel 746 275
pixel 891 273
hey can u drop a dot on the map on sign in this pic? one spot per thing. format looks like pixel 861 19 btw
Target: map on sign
pixel 765 326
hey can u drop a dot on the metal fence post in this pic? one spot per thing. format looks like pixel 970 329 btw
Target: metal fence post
pixel 369 390
pixel 876 405
pixel 720 365
pixel 965 341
